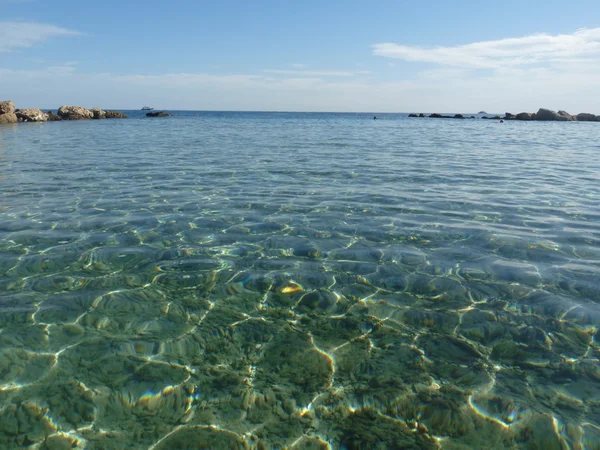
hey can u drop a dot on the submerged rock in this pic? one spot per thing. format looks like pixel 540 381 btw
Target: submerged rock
pixel 31 115
pixel 158 114
pixel 114 115
pixel 75 113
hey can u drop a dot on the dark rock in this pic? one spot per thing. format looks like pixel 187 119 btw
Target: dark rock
pixel 7 107
pixel 523 116
pixel 115 115
pixel 98 113
pixel 74 113
pixel 413 115
pixel 436 116
pixel 492 118
pixel 53 117
pixel 481 112
pixel 459 116
pixel 509 116
pixel 31 115
pixel 472 117
pixel 587 117
pixel 549 115
pixel 421 115
pixel 158 114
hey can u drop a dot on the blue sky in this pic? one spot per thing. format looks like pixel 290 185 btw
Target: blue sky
pixel 307 56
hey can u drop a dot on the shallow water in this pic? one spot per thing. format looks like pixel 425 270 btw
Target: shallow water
pixel 271 280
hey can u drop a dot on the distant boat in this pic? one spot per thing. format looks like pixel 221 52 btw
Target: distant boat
pixel 147 108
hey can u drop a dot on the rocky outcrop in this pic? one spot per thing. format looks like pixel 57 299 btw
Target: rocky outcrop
pixel 492 118
pixel 98 113
pixel 567 116
pixel 7 112
pixel 31 115
pixel 53 117
pixel 8 118
pixel 549 115
pixel 523 116
pixel 587 117
pixel 7 107
pixel 158 114
pixel 75 113
pixel 413 115
pixel 115 115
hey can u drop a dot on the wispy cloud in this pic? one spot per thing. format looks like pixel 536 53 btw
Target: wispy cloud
pixel 15 35
pixel 582 45
pixel 318 73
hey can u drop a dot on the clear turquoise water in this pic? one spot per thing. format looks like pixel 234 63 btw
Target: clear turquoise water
pixel 272 280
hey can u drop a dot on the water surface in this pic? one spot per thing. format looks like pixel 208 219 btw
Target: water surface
pixel 271 280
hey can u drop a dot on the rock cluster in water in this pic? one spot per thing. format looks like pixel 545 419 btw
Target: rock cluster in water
pixel 542 115
pixel 8 114
pixel 158 114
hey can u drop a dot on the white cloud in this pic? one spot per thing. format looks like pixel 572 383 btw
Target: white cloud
pixel 298 65
pixel 583 45
pixel 446 89
pixel 318 73
pixel 15 35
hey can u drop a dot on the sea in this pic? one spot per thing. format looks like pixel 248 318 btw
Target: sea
pixel 248 280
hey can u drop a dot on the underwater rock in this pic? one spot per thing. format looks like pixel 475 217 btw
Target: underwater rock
pixel 366 429
pixel 202 437
pixel 158 114
pixel 115 115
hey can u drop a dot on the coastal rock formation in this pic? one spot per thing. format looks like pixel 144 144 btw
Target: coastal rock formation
pixel 7 112
pixel 7 107
pixel 158 114
pixel 114 115
pixel 8 118
pixel 31 115
pixel 566 115
pixel 548 114
pixel 413 115
pixel 53 117
pixel 523 116
pixel 98 113
pixel 587 117
pixel 74 113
